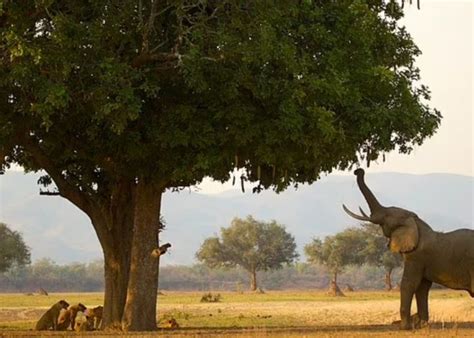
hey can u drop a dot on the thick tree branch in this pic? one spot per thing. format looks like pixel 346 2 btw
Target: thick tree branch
pixel 99 216
pixel 49 193
pixel 66 190
pixel 148 27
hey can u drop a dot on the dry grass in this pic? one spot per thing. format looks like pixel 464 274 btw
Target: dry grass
pixel 280 314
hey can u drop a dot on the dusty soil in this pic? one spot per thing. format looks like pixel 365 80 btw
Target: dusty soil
pixel 451 317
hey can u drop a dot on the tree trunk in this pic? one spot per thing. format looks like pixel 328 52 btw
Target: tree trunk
pixel 116 271
pixel 334 288
pixel 388 280
pixel 140 307
pixel 114 226
pixel 253 280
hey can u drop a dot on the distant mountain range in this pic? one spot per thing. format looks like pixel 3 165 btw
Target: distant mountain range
pixel 54 228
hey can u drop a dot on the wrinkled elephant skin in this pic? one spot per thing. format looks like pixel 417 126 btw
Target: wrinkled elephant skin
pixel 429 256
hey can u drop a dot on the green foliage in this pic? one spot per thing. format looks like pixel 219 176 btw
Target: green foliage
pixel 335 252
pixel 251 244
pixel 303 276
pixel 376 251
pixel 52 277
pixel 353 246
pixel 180 91
pixel 13 250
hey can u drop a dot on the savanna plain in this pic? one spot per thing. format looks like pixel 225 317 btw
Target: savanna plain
pixel 274 313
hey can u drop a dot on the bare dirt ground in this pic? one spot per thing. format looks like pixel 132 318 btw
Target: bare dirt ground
pixel 354 316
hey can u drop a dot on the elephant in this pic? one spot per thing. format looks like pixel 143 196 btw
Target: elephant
pixel 429 256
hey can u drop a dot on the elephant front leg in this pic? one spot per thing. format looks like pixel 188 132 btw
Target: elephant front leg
pixel 410 282
pixel 422 303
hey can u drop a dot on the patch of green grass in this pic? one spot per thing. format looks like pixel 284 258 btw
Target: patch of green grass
pixel 17 325
pixel 274 309
pixel 173 297
pixel 209 318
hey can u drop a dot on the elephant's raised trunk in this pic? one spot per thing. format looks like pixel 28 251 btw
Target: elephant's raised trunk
pixel 374 205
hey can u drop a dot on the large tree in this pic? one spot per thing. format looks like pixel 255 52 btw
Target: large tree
pixel 13 250
pixel 250 244
pixel 120 100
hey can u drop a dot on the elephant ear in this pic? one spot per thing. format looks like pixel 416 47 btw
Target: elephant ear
pixel 405 237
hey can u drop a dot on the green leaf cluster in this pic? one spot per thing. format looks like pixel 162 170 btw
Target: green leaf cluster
pixel 376 251
pixel 250 244
pixel 353 246
pixel 336 252
pixel 13 250
pixel 178 90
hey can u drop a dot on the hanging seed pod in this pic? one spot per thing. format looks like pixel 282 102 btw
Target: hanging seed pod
pixel 383 157
pixel 242 184
pixel 258 173
pixel 418 4
pixel 233 180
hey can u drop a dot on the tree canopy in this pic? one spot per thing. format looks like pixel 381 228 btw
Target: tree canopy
pixel 251 244
pixel 354 246
pixel 118 101
pixel 335 252
pixel 176 92
pixel 377 253
pixel 13 250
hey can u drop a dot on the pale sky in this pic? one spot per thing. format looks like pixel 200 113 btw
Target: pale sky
pixel 443 30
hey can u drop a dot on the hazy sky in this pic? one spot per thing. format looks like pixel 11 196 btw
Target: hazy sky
pixel 443 30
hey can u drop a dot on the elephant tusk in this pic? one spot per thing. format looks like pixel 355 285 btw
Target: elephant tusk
pixel 350 213
pixel 363 213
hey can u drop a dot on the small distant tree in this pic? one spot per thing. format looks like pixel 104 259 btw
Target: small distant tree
pixel 13 250
pixel 250 244
pixel 337 252
pixel 376 252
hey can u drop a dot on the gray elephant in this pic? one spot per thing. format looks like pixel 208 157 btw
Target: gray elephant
pixel 429 256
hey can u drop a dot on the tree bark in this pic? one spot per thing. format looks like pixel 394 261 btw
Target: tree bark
pixel 116 272
pixel 253 280
pixel 388 280
pixel 114 226
pixel 334 288
pixel 140 307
